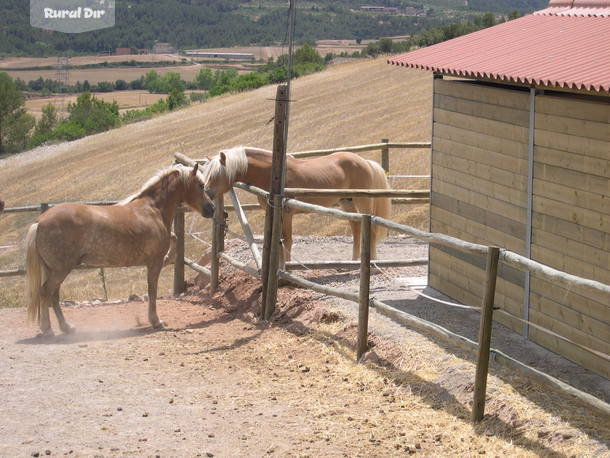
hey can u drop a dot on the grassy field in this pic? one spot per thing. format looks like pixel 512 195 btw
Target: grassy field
pixel 95 75
pixel 127 100
pixel 26 62
pixel 348 104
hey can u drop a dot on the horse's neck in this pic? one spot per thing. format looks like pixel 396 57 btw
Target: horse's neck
pixel 165 197
pixel 258 172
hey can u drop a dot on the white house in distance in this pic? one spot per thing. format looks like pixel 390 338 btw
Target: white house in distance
pixel 521 160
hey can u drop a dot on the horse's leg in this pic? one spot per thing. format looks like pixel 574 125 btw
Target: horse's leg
pixel 47 296
pixel 348 206
pixel 170 257
pixel 66 327
pixel 364 205
pixel 154 270
pixel 45 320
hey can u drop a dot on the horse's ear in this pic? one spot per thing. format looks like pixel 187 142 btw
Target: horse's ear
pixel 194 172
pixel 223 158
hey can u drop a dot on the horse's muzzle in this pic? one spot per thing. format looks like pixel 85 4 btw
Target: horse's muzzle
pixel 207 210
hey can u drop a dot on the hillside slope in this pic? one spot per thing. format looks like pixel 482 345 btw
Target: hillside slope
pixel 348 104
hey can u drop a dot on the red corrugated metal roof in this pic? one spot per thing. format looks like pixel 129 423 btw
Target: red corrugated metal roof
pixel 597 8
pixel 538 50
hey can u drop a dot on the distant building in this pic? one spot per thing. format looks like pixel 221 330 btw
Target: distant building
pixel 122 51
pixel 163 48
pixel 220 55
pixel 411 11
pixel 380 9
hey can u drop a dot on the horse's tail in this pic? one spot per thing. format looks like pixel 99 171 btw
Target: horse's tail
pixel 35 274
pixel 382 206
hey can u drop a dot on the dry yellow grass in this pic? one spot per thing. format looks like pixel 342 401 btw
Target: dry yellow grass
pixel 95 75
pixel 25 62
pixel 348 104
pixel 127 100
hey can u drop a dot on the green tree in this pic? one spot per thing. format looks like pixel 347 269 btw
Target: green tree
pixel 92 114
pixel 45 125
pixel 204 79
pixel 176 99
pixel 19 131
pixel 11 103
pixel 151 81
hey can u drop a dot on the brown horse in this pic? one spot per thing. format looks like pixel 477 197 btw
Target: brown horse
pixel 343 170
pixel 134 232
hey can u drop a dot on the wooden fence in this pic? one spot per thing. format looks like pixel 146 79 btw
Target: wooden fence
pixel 494 255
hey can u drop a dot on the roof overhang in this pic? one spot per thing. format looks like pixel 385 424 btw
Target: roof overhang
pixel 539 50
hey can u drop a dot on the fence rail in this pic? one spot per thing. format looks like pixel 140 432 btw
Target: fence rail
pixel 495 255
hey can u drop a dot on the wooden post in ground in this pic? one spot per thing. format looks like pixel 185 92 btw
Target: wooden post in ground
pixel 179 262
pixel 217 242
pixel 276 188
pixel 385 156
pixel 365 284
pixel 274 257
pixel 480 383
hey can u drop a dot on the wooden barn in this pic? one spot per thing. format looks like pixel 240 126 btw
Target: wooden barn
pixel 521 160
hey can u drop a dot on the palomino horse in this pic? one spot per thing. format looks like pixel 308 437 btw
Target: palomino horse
pixel 134 232
pixel 343 170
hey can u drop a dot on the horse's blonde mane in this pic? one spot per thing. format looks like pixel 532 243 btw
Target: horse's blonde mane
pixel 155 179
pixel 236 164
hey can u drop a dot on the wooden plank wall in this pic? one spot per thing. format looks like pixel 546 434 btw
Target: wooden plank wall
pixel 479 193
pixel 479 187
pixel 571 223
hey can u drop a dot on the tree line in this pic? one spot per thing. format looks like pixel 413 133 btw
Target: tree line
pixel 88 115
pixel 214 23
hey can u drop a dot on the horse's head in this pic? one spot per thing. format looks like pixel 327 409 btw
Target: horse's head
pixel 216 177
pixel 220 172
pixel 195 194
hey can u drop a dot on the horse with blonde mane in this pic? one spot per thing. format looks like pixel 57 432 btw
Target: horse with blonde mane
pixel 134 232
pixel 342 170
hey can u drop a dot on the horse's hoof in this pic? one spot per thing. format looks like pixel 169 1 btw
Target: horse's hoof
pixel 45 334
pixel 158 325
pixel 68 329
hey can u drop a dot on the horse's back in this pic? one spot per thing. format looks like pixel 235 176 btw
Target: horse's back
pixel 70 234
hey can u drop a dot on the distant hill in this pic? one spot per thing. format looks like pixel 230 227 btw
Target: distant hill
pixel 211 23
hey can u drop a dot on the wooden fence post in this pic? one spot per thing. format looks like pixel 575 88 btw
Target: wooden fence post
pixel 480 383
pixel 274 257
pixel 365 284
pixel 276 188
pixel 217 242
pixel 385 156
pixel 179 262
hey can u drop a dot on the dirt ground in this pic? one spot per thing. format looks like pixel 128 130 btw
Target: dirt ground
pixel 217 382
